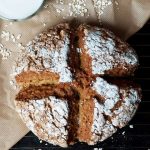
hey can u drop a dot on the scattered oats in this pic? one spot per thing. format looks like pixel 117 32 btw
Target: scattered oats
pixel 60 2
pixel 1 45
pixel 8 36
pixel 116 3
pixel 46 6
pixel 100 6
pixel 19 44
pixel 44 24
pixel 131 126
pixel 18 36
pixel 77 8
pixel 13 38
pixel 123 133
pixel 98 148
pixel 4 52
pixel 5 35
pixel 58 10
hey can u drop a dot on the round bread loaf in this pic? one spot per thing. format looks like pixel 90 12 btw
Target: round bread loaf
pixel 70 85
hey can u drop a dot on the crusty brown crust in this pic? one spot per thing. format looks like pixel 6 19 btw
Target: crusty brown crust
pixel 67 90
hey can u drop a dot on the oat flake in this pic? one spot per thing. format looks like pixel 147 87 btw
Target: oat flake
pixel 77 7
pixel 4 52
pixel 100 5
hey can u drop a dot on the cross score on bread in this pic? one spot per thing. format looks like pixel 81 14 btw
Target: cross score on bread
pixel 71 85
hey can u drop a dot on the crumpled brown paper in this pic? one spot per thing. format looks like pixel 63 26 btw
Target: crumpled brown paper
pixel 125 18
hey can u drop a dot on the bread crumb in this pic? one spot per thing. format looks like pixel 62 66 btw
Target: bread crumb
pixel 131 126
pixel 41 141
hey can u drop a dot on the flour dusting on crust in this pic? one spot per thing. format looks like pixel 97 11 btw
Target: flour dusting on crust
pixel 118 116
pixel 106 51
pixel 47 118
pixel 48 51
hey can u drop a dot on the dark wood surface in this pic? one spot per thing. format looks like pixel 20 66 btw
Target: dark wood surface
pixel 136 138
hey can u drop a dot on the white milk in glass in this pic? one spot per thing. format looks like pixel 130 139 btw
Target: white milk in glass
pixel 19 9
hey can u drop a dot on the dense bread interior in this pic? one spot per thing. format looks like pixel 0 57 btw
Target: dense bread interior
pixel 86 60
pixel 73 120
pixel 86 109
pixel 44 91
pixel 28 78
pixel 80 94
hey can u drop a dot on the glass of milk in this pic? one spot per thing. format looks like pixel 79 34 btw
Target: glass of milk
pixel 16 10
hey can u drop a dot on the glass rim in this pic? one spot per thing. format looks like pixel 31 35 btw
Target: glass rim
pixel 17 20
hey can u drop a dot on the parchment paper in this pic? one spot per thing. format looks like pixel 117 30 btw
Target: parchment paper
pixel 124 19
